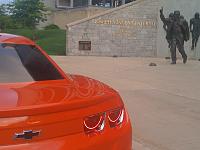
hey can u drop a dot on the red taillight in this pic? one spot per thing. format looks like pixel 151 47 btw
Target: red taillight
pixel 116 117
pixel 94 123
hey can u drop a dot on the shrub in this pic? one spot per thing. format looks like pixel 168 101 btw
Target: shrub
pixel 51 26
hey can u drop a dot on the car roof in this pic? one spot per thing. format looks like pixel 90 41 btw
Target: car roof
pixel 15 39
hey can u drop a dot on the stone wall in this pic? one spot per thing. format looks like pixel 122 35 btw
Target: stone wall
pixel 129 30
pixel 63 17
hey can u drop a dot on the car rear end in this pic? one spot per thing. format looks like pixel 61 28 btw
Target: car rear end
pixel 96 127
pixel 42 108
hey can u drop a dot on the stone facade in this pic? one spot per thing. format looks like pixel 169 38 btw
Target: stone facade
pixel 63 17
pixel 129 30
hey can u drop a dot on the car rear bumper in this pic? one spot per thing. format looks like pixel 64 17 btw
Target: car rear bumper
pixel 113 139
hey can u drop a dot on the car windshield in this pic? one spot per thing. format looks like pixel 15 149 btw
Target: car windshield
pixel 25 63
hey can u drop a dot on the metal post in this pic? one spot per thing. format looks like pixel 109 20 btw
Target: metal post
pixel 111 3
pixel 72 3
pixel 89 2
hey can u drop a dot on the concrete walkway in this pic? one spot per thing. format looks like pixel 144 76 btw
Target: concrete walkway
pixel 163 101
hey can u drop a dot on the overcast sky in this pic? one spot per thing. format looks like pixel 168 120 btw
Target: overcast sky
pixel 5 1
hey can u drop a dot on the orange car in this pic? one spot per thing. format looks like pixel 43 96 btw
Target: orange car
pixel 42 108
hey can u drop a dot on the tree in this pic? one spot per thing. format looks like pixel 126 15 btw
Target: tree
pixel 29 13
pixel 2 9
pixel 6 20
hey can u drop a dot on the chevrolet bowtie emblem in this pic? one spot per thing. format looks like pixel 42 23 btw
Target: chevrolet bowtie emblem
pixel 27 135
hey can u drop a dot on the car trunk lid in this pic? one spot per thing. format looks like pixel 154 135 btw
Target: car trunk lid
pixel 44 110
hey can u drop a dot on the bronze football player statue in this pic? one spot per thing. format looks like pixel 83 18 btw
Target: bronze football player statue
pixel 177 33
pixel 195 30
pixel 167 23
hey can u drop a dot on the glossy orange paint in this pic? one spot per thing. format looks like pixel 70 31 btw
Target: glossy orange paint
pixel 57 109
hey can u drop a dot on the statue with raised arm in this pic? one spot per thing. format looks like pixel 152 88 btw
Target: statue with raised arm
pixel 177 33
pixel 167 24
pixel 195 30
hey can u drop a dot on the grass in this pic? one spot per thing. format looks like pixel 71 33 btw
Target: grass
pixel 52 41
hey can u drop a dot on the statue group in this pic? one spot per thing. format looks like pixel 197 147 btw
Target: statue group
pixel 178 32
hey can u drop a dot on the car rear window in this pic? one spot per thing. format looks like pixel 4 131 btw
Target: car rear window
pixel 25 63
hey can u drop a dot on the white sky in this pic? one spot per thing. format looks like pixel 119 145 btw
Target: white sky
pixel 5 1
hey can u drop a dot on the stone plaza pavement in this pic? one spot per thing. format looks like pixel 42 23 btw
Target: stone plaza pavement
pixel 163 101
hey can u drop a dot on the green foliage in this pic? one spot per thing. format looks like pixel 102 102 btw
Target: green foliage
pixel 6 20
pixel 2 10
pixel 52 41
pixel 29 13
pixel 21 18
pixel 51 26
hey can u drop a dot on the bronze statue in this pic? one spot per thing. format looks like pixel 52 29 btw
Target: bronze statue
pixel 177 33
pixel 186 29
pixel 195 29
pixel 167 23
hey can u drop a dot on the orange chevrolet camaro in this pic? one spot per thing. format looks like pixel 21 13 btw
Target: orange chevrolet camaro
pixel 42 108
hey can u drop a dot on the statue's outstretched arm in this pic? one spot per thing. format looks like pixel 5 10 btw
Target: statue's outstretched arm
pixel 162 17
